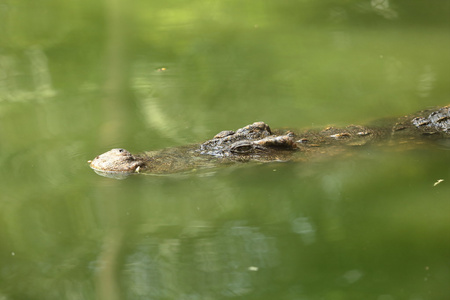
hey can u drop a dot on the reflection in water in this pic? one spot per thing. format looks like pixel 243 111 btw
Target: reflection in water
pixel 222 263
pixel 383 8
pixel 352 276
pixel 14 73
pixel 426 82
pixel 107 288
pixel 40 72
pixel 146 86
pixel 304 227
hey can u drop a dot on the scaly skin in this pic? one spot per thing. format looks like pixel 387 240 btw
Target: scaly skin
pixel 257 142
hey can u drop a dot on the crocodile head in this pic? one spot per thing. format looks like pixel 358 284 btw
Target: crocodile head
pixel 117 161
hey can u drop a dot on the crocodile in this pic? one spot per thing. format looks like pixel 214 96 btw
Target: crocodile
pixel 257 142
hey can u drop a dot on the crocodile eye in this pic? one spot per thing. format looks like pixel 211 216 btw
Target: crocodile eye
pixel 121 152
pixel 244 148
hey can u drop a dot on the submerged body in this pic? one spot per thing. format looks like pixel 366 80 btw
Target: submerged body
pixel 257 142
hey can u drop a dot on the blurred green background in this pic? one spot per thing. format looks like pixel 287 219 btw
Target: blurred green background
pixel 78 78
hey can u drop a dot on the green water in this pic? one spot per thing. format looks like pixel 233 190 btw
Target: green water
pixel 78 78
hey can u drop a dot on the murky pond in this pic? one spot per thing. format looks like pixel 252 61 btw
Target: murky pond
pixel 78 78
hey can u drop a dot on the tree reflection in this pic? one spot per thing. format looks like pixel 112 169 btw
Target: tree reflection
pixel 233 260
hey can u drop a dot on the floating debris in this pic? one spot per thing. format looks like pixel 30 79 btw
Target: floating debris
pixel 437 182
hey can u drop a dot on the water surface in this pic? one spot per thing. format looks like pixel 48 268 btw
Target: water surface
pixel 81 78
